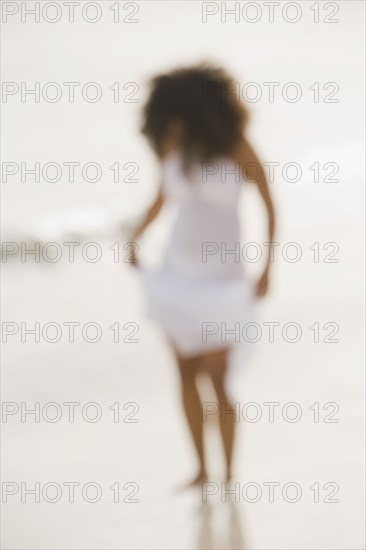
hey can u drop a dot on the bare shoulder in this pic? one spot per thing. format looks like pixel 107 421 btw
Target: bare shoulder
pixel 247 158
pixel 244 153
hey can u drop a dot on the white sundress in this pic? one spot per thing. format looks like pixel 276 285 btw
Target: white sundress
pixel 200 293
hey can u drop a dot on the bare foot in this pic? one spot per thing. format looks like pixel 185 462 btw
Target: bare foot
pixel 196 482
pixel 228 477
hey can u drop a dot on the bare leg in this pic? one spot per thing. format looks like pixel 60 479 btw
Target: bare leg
pixel 216 366
pixel 193 411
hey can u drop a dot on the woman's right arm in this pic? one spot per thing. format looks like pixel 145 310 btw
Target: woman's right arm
pixel 246 156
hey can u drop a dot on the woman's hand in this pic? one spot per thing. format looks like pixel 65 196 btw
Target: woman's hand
pixel 132 257
pixel 263 283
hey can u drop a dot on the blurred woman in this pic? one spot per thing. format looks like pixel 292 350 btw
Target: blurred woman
pixel 197 128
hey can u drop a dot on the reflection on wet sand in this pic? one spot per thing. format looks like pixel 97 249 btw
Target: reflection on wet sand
pixel 220 527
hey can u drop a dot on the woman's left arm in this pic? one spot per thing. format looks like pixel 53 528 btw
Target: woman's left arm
pixel 147 220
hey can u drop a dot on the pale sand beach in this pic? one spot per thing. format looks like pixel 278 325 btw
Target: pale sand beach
pixel 154 452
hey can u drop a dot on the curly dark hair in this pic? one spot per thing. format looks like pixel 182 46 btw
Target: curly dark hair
pixel 200 99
